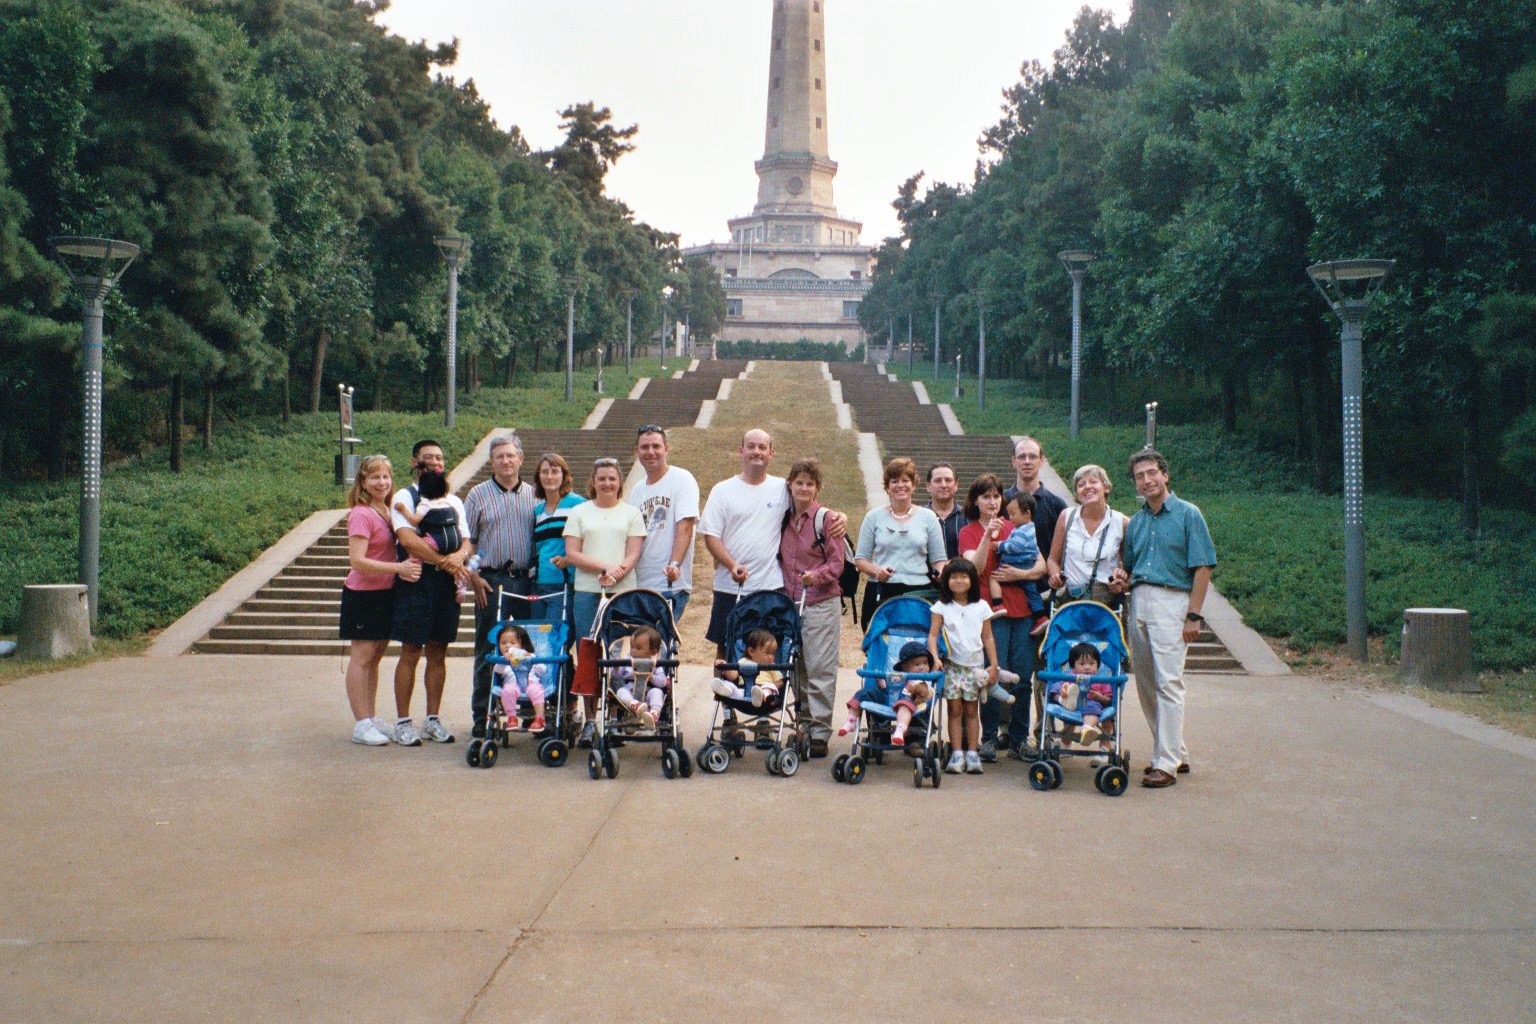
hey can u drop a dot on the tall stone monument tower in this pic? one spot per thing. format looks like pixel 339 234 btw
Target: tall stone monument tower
pixel 794 268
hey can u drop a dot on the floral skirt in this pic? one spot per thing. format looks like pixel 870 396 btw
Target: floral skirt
pixel 962 682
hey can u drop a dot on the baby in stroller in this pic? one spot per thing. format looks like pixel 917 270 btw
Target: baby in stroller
pixel 513 677
pixel 905 695
pixel 763 648
pixel 644 646
pixel 1083 662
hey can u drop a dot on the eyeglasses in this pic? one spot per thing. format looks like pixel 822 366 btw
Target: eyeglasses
pixel 605 461
pixel 651 428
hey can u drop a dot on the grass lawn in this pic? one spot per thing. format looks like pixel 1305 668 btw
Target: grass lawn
pixel 169 539
pixel 1281 543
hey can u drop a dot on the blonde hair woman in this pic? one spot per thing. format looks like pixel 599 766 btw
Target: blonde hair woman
pixel 367 594
pixel 1086 547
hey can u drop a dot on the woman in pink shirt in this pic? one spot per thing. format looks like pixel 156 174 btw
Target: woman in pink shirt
pixel 812 566
pixel 367 594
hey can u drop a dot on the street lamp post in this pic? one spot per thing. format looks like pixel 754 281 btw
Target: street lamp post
pixel 959 358
pixel 1151 425
pixel 570 337
pixel 453 249
pixel 629 331
pixel 666 297
pixel 686 347
pixel 938 300
pixel 981 353
pixel 890 339
pixel 1347 287
pixel 909 343
pixel 1075 262
pixel 95 266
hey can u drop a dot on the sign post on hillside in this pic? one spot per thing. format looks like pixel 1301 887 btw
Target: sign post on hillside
pixel 347 459
pixel 1348 286
pixel 95 266
pixel 453 249
pixel 1151 424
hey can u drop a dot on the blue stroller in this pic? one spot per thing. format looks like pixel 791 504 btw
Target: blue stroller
pixel 894 623
pixel 617 617
pixel 552 651
pixel 736 724
pixel 1075 623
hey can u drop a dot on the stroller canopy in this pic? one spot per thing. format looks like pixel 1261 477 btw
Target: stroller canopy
pixel 894 623
pixel 1085 622
pixel 621 613
pixel 767 609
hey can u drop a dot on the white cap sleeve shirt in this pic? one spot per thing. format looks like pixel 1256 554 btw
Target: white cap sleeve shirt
pixel 962 631
pixel 748 519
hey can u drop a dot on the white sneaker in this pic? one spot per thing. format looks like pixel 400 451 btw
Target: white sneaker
pixel 725 688
pixel 1098 761
pixel 406 734
pixel 434 730
pixel 956 763
pixel 367 733
pixel 973 762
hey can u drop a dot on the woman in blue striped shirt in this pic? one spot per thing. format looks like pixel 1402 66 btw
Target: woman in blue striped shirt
pixel 555 499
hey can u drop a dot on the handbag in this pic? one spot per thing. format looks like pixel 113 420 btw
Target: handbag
pixel 1093 590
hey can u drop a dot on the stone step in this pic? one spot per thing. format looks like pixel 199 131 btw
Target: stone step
pixel 316 617
pixel 308 590
pixel 322 558
pixel 329 648
pixel 316 632
pixel 332 606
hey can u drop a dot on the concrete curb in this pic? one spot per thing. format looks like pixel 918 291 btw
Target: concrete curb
pixel 844 411
pixel 874 471
pixel 1466 726
pixel 706 414
pixel 826 371
pixel 751 365
pixel 921 390
pixel 595 417
pixel 950 419
pixel 180 635
pixel 724 393
pixel 1241 641
pixel 639 388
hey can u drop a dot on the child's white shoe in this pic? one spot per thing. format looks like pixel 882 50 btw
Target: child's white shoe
pixel 1089 734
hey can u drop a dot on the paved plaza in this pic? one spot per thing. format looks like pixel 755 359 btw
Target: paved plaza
pixel 195 839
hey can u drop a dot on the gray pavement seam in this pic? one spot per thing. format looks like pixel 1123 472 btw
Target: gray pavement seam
pixel 532 926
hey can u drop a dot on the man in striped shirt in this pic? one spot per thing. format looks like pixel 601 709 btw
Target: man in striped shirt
pixel 500 514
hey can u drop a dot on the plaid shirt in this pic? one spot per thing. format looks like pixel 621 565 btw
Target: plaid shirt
pixel 501 524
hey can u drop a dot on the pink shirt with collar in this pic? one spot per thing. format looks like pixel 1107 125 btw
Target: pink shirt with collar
pixel 799 553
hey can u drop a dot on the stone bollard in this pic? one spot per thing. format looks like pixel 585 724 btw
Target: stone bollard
pixel 55 621
pixel 1437 649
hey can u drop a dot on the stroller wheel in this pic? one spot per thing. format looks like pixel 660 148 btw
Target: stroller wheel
pixel 684 763
pixel 1040 775
pixel 789 762
pixel 714 758
pixel 854 770
pixel 934 775
pixel 594 766
pixel 771 762
pixel 1056 774
pixel 919 772
pixel 839 768
pixel 553 753
pixel 610 762
pixel 472 753
pixel 1113 780
pixel 669 763
pixel 488 754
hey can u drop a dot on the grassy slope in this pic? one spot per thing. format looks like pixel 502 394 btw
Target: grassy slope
pixel 168 540
pixel 1281 543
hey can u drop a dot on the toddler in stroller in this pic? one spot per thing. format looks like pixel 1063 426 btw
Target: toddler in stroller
pixel 753 707
pixel 517 674
pixel 765 685
pixel 1086 640
pixel 644 647
pixel 644 617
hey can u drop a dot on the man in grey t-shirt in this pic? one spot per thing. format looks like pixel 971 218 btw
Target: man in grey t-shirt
pixel 668 500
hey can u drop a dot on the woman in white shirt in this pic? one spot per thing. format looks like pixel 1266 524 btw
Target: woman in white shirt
pixel 1086 547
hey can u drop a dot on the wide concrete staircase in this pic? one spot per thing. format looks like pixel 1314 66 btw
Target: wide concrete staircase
pixel 907 427
pixel 298 611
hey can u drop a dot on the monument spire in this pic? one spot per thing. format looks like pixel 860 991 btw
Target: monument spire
pixel 795 173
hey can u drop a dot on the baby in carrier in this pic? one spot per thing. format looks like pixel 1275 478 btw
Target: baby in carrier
pixel 1094 698
pixel 435 516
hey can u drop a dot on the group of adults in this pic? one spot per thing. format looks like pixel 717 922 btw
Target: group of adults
pixel 765 532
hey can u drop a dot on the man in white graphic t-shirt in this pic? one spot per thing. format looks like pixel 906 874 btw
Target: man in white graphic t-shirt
pixel 668 500
pixel 742 522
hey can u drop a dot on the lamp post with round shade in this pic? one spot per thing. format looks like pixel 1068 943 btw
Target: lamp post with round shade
pixel 981 352
pixel 629 329
pixel 570 283
pixel 1075 262
pixel 1348 286
pixel 95 266
pixel 666 296
pixel 938 301
pixel 453 249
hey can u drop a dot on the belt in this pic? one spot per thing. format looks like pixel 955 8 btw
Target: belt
pixel 506 570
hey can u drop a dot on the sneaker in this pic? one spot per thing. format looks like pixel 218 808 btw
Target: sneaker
pixel 1098 761
pixel 1000 693
pixel 537 725
pixel 368 734
pixel 760 695
pixel 849 726
pixel 956 763
pixel 988 752
pixel 434 730
pixel 973 763
pixel 899 736
pixel 406 735
pixel 647 718
pixel 724 688
pixel 588 731
pixel 1090 734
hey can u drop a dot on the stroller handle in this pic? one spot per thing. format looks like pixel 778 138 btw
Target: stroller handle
pixel 927 677
pixel 640 663
pixel 1055 677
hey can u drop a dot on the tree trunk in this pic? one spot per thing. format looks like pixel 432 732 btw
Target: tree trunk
pixel 208 416
pixel 1299 407
pixel 1321 380
pixel 322 342
pixel 176 419
pixel 511 365
pixel 61 392
pixel 1471 492
pixel 287 396
pixel 378 388
pixel 1229 388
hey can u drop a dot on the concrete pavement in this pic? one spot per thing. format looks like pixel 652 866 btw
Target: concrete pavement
pixel 195 839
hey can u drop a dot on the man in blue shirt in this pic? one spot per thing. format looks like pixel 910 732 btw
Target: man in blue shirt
pixel 1166 564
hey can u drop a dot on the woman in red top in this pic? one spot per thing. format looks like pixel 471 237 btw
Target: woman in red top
pixel 1015 647
pixel 367 594
pixel 811 568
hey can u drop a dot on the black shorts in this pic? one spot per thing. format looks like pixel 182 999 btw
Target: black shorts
pixel 718 613
pixel 367 614
pixel 425 611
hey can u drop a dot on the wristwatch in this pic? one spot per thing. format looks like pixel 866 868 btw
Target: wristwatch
pixel 1193 617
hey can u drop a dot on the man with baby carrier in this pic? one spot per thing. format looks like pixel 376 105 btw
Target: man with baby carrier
pixel 1166 564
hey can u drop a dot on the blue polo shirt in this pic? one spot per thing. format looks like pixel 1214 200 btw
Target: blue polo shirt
pixel 1166 547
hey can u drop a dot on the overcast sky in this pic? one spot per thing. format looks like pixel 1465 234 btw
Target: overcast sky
pixel 909 89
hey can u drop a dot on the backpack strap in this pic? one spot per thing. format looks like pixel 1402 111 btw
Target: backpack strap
pixel 821 525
